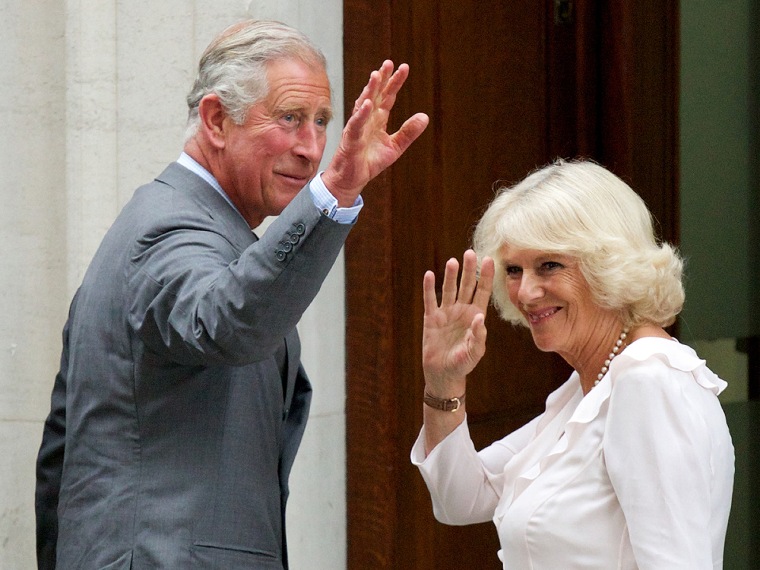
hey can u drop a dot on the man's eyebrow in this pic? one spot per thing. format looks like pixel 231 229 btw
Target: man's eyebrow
pixel 326 112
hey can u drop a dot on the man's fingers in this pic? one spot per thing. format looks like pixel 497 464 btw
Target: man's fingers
pixel 354 127
pixel 387 96
pixel 377 84
pixel 412 128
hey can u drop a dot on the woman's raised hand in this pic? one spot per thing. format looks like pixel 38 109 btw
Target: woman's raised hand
pixel 454 331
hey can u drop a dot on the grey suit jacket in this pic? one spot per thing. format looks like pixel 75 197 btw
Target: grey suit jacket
pixel 181 400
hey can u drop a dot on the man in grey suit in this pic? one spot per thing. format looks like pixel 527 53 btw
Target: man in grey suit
pixel 181 399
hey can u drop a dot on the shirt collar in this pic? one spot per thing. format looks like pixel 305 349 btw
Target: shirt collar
pixel 193 166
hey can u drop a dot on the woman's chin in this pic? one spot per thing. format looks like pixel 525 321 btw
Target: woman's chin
pixel 542 343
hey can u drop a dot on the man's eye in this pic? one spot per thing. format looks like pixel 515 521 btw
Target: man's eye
pixel 289 118
pixel 321 122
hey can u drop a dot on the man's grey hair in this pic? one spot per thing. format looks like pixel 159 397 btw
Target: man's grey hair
pixel 234 66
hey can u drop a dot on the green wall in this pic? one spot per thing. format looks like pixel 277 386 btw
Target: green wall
pixel 742 550
pixel 718 168
pixel 720 227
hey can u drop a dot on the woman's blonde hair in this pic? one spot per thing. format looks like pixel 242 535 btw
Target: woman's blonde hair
pixel 579 208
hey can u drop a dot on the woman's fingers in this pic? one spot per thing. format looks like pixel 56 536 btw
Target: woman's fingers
pixel 475 285
pixel 479 333
pixel 429 299
pixel 469 280
pixel 485 284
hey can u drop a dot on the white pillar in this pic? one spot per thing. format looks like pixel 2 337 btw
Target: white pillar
pixel 33 246
pixel 93 103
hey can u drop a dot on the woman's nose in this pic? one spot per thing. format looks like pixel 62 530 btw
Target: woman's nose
pixel 530 288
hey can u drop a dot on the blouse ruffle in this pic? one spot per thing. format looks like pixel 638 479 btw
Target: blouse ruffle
pixel 683 358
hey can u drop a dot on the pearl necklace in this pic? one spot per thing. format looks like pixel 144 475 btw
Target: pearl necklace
pixel 619 344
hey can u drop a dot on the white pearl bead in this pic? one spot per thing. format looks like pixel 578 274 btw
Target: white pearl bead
pixel 615 349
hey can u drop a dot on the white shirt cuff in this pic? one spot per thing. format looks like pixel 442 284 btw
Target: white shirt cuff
pixel 328 204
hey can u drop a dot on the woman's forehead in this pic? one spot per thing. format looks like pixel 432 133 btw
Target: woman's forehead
pixel 512 253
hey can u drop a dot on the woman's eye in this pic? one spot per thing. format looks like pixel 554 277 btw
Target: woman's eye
pixel 550 265
pixel 513 270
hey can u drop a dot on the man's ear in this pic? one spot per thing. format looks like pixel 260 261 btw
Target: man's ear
pixel 212 119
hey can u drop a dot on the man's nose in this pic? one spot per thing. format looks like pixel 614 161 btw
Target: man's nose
pixel 310 143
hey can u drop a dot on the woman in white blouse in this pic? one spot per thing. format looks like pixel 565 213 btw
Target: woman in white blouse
pixel 631 464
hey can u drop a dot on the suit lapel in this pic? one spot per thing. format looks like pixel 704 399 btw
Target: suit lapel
pixel 206 196
pixel 241 236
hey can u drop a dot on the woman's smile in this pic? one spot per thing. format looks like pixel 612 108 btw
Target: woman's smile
pixel 538 316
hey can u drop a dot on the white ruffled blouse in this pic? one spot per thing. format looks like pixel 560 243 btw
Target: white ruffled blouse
pixel 637 474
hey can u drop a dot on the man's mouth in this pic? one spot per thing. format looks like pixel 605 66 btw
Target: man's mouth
pixel 301 178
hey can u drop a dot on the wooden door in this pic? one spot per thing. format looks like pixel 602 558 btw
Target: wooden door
pixel 509 86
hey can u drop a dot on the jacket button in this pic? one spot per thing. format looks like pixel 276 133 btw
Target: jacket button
pixel 280 255
pixel 287 247
pixel 294 238
pixel 300 229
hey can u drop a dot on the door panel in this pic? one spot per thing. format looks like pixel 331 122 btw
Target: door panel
pixel 508 87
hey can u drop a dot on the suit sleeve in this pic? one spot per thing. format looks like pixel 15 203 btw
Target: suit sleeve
pixel 50 463
pixel 197 297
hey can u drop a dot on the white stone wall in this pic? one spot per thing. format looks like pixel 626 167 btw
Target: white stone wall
pixel 92 105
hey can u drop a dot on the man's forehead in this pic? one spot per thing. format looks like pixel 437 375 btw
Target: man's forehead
pixel 294 83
